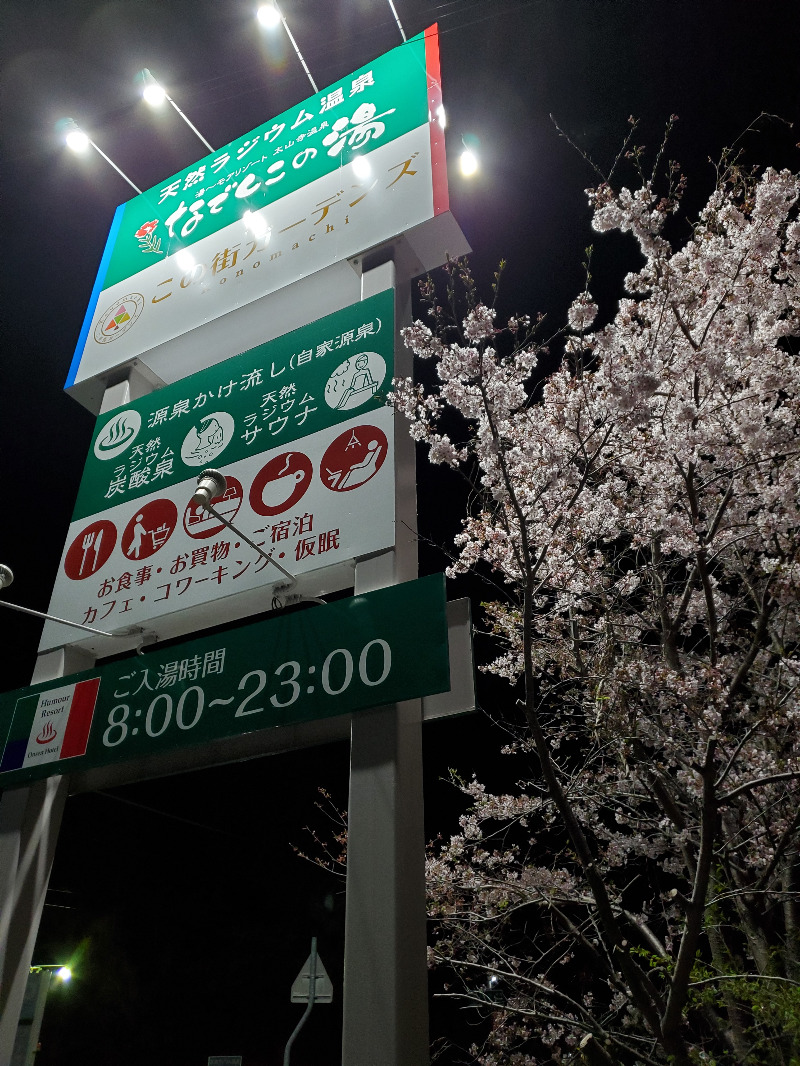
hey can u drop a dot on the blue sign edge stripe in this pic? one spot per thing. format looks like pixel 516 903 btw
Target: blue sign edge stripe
pixel 98 288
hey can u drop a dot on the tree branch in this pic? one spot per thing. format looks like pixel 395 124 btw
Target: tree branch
pixel 696 908
pixel 757 782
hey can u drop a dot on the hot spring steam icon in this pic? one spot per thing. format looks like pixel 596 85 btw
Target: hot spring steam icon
pixel 117 434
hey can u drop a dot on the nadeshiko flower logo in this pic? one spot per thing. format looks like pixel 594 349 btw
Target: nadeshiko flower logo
pixel 148 242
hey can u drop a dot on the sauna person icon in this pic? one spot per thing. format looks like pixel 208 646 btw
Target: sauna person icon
pixel 353 458
pixel 361 383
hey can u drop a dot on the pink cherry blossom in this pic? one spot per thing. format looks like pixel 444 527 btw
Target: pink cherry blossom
pixel 636 895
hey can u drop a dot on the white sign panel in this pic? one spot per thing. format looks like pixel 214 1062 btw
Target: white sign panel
pixel 323 986
pixel 301 430
pixel 358 164
pixel 323 500
pixel 306 231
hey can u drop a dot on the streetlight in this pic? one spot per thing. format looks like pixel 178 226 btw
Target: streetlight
pixel 6 579
pixel 33 1004
pixel 78 140
pixel 468 161
pixel 155 94
pixel 63 973
pixel 270 16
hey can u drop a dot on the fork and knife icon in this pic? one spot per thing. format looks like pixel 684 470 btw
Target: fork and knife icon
pixel 91 541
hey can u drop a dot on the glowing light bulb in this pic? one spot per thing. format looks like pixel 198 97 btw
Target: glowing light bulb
pixel 77 140
pixel 269 16
pixel 154 95
pixel 64 973
pixel 468 163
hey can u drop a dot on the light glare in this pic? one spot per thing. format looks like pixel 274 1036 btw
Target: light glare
pixel 257 224
pixel 269 16
pixel 77 140
pixel 441 117
pixel 469 163
pixel 64 973
pixel 361 167
pixel 185 259
pixel 153 94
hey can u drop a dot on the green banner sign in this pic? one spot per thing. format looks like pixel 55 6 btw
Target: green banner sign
pixel 312 378
pixel 356 165
pixel 375 104
pixel 361 652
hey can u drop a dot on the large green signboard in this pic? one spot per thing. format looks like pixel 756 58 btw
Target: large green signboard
pixel 375 104
pixel 300 427
pixel 346 656
pixel 272 395
pixel 354 165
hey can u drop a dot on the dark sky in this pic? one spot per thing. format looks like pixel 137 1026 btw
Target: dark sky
pixel 194 932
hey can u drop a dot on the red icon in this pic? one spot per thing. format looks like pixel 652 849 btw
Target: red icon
pixel 353 458
pixel 90 550
pixel 199 524
pixel 281 483
pixel 149 529
pixel 47 734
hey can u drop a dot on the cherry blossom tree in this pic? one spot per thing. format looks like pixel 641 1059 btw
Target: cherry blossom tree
pixel 634 898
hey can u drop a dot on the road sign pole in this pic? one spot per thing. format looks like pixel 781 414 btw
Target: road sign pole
pixel 312 995
pixel 30 819
pixel 385 974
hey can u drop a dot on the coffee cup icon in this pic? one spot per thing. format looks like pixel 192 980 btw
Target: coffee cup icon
pixel 277 492
pixel 281 483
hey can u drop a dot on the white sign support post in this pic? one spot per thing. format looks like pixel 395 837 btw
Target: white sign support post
pixel 30 819
pixel 385 973
pixel 30 1022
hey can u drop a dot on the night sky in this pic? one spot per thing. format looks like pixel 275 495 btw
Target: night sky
pixel 187 907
